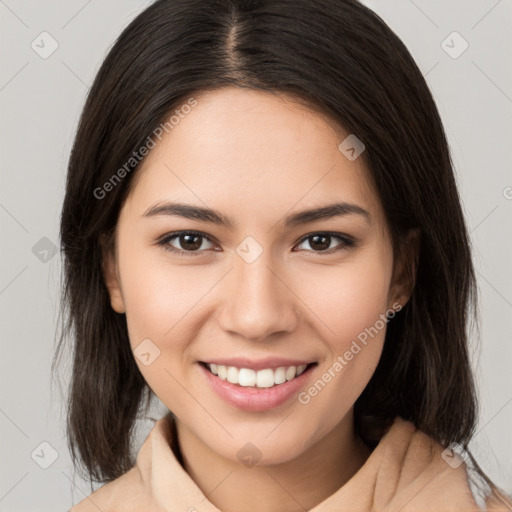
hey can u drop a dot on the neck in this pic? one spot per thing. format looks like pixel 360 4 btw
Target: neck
pixel 303 482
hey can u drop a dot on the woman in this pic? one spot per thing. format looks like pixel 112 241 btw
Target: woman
pixel 261 227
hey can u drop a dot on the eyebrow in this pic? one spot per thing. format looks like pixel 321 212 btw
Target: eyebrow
pixel 215 217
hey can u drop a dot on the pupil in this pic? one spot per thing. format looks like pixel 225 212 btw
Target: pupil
pixel 190 245
pixel 324 245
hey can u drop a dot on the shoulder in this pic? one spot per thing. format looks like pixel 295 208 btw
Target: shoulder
pixel 127 493
pixel 424 473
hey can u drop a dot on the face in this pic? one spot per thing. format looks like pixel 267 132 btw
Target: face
pixel 254 286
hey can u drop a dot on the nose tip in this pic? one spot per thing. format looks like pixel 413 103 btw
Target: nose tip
pixel 258 303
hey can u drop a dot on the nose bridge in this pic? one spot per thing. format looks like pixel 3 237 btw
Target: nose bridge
pixel 258 302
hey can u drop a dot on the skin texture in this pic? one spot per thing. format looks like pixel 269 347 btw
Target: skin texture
pixel 256 157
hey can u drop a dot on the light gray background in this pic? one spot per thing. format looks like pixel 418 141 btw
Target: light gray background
pixel 40 101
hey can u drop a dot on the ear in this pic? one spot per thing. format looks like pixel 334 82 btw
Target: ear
pixel 405 268
pixel 111 273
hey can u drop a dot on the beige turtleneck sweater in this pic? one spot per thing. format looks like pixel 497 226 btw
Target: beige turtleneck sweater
pixel 404 473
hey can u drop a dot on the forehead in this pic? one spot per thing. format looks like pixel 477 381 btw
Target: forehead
pixel 255 153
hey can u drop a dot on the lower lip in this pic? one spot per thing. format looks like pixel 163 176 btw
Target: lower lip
pixel 256 399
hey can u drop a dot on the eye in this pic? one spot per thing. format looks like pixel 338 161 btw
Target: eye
pixel 190 241
pixel 321 242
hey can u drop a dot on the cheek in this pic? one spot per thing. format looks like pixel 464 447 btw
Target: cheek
pixel 165 311
pixel 348 298
pixel 350 304
pixel 358 305
pixel 160 301
pixel 159 297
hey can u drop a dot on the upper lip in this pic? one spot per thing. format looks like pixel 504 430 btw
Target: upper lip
pixel 258 364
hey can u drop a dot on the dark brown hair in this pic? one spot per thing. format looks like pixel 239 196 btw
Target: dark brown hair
pixel 342 60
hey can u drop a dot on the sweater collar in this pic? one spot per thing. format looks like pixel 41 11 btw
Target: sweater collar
pixel 407 471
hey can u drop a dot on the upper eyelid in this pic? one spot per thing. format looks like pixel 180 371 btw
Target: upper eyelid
pixel 176 234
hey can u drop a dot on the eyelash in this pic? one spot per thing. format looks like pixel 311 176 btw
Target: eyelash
pixel 165 241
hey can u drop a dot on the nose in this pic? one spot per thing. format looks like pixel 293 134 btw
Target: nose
pixel 258 301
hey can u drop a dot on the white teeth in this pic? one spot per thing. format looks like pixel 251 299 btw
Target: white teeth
pixel 246 377
pixel 261 379
pixel 290 372
pixel 280 375
pixel 232 375
pixel 265 378
pixel 301 368
pixel 222 372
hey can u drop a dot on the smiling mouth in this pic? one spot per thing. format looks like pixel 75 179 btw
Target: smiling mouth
pixel 265 378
